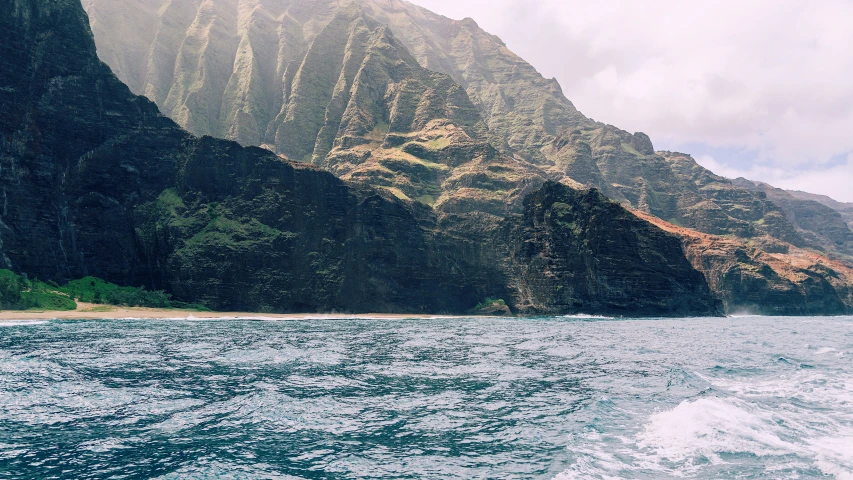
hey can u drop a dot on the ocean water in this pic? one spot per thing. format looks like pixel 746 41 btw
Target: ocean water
pixel 549 398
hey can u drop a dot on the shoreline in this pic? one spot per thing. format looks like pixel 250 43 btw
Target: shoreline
pixel 104 312
pixel 87 311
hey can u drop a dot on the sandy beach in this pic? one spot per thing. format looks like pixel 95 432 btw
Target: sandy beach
pixel 107 312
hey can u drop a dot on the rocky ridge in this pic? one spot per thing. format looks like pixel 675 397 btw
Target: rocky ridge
pixel 565 235
pixel 818 223
pixel 348 94
pixel 750 280
pixel 845 209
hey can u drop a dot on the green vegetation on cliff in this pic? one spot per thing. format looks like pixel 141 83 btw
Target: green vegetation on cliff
pixel 95 290
pixel 490 302
pixel 19 293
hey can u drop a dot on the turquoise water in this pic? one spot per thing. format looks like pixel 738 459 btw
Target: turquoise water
pixel 546 398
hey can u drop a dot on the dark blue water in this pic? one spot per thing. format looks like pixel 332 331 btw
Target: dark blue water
pixel 429 399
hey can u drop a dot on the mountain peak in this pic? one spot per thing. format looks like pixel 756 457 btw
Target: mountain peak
pixel 469 22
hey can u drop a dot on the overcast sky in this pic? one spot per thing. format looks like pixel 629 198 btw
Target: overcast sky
pixel 761 89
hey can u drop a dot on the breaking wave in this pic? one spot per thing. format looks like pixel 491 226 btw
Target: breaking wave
pixel 792 425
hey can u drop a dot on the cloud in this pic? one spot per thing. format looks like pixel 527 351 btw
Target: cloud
pixel 834 181
pixel 771 77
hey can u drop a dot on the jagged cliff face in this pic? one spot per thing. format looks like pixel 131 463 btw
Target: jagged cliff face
pixel 845 209
pixel 776 279
pixel 321 82
pixel 565 235
pixel 362 107
pixel 522 108
pixel 671 186
pixel 96 181
pixel 311 79
pixel 816 222
pixel 239 58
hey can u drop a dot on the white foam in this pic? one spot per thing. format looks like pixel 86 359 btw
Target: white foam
pixel 584 316
pixel 687 439
pixel 793 422
pixel 22 323
pixel 710 426
pixel 825 350
pixel 811 386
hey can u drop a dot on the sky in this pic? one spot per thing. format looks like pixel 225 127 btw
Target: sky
pixel 761 89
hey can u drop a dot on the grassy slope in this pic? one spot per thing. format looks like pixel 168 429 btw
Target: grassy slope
pixel 20 293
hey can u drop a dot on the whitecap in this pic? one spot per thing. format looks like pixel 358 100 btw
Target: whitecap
pixel 698 435
pixel 707 427
pixel 825 350
pixel 22 323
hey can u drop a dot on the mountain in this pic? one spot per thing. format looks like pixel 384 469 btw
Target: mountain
pixel 96 181
pixel 433 111
pixel 242 69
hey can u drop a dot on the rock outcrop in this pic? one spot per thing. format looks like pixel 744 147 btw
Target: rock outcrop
pixel 565 235
pixel 749 279
pixel 95 181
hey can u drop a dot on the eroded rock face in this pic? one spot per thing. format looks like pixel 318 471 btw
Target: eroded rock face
pixel 766 276
pixel 96 182
pixel 227 67
pixel 574 250
pixel 817 222
pixel 845 209
pixel 671 186
pixel 363 108
pixel 344 91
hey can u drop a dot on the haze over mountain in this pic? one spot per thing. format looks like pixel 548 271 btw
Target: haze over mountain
pixel 845 209
pixel 461 172
pixel 756 90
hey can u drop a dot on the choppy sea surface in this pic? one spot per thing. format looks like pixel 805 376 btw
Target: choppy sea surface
pixel 549 398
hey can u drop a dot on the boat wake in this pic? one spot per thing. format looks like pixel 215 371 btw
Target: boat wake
pixel 797 425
